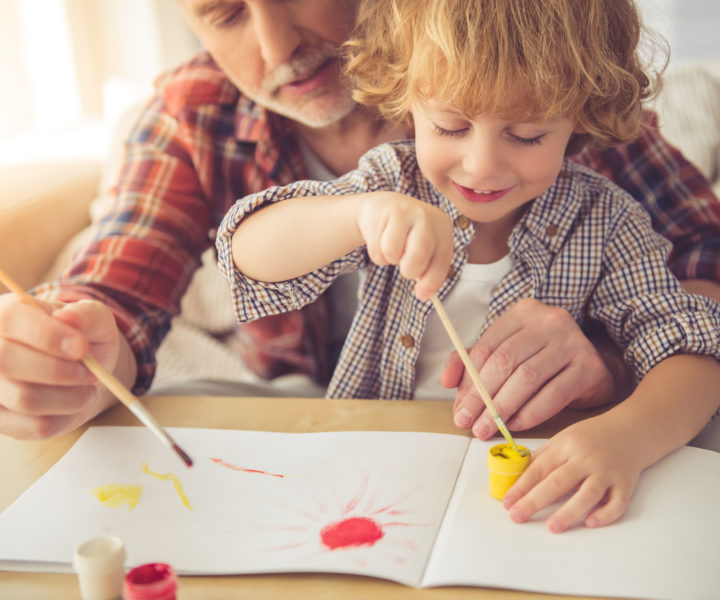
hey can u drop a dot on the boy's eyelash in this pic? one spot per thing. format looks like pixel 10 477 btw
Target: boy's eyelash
pixel 528 141
pixel 449 132
pixel 520 140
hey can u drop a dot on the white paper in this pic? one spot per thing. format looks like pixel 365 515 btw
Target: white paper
pixel 243 521
pixel 368 503
pixel 665 547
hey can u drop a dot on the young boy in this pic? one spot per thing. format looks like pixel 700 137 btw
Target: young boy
pixel 483 209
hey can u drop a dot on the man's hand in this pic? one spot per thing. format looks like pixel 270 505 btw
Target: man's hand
pixel 534 360
pixel 45 390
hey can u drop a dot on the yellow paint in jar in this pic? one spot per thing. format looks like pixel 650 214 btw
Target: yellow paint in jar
pixel 505 465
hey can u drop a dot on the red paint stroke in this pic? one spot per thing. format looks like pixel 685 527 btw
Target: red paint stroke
pixel 228 465
pixel 355 531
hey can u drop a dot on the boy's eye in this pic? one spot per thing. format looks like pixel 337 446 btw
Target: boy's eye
pixel 531 141
pixel 449 132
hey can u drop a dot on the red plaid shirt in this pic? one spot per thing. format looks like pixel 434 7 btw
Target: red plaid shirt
pixel 200 145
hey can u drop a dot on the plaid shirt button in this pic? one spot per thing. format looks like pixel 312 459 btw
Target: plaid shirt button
pixel 551 230
pixel 462 222
pixel 407 341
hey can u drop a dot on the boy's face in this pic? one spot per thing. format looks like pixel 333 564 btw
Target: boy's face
pixel 282 55
pixel 488 168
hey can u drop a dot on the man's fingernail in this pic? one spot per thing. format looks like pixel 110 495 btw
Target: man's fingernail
pixel 70 346
pixel 463 418
pixel 481 429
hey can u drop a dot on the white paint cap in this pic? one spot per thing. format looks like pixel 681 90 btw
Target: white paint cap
pixel 100 565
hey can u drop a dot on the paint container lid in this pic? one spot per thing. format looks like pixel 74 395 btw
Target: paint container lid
pixel 100 565
pixel 153 581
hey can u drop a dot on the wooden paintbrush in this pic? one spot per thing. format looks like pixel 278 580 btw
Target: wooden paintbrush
pixel 472 371
pixel 109 380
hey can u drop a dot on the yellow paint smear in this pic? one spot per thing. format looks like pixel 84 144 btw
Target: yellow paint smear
pixel 168 477
pixel 115 495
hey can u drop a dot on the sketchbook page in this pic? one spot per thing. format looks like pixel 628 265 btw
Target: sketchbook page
pixel 365 503
pixel 665 547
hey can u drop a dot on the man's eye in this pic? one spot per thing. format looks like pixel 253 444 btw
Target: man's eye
pixel 229 18
pixel 449 132
pixel 532 141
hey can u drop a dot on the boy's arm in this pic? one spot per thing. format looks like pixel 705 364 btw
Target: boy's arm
pixel 301 234
pixel 603 456
pixel 287 239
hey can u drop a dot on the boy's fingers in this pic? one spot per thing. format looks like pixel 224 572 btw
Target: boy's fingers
pixel 542 493
pixel 588 495
pixel 611 511
pixel 533 475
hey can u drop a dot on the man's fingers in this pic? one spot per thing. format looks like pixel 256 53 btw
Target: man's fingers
pixel 34 327
pixel 27 427
pixel 36 400
pixel 22 363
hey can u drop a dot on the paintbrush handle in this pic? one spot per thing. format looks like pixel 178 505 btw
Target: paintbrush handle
pixel 470 368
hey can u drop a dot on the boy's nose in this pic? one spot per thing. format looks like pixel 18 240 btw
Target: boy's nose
pixel 482 160
pixel 276 33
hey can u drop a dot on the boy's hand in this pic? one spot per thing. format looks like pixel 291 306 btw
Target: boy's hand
pixel 534 360
pixel 416 236
pixel 595 461
pixel 44 388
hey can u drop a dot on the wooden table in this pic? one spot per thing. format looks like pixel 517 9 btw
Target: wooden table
pixel 22 463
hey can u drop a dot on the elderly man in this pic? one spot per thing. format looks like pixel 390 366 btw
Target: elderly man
pixel 266 105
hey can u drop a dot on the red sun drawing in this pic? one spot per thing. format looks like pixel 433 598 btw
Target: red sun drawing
pixel 367 520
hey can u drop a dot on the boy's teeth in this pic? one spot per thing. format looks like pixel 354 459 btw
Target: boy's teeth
pixel 482 191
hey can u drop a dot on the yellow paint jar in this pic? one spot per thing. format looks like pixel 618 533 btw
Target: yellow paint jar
pixel 505 465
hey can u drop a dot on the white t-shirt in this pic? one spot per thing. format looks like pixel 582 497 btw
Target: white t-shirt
pixel 466 305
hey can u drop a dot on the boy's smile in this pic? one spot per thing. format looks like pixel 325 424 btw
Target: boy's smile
pixel 472 195
pixel 488 167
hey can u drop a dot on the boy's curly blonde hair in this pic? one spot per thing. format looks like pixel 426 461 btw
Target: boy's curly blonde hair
pixel 575 58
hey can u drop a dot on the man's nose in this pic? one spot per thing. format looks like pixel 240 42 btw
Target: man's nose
pixel 276 32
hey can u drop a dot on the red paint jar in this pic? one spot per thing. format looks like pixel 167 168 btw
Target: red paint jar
pixel 153 581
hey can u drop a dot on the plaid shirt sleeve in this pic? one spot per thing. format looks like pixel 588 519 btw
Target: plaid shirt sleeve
pixel 197 147
pixel 679 199
pixel 146 246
